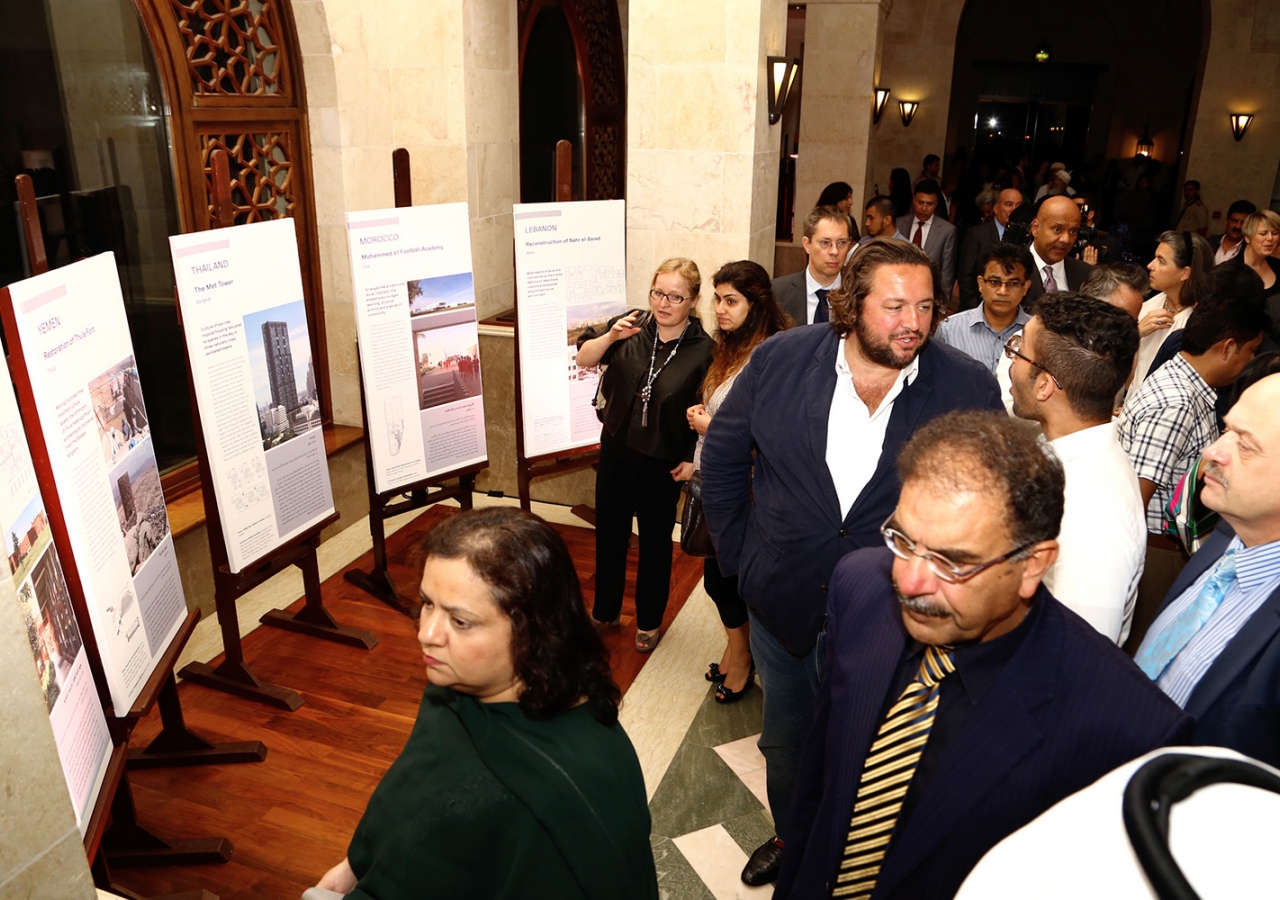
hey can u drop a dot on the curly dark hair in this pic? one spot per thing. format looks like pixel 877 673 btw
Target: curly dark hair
pixel 983 451
pixel 1089 346
pixel 556 652
pixel 858 277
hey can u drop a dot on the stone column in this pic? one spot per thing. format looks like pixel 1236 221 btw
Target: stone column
pixel 440 79
pixel 842 47
pixel 919 48
pixel 702 160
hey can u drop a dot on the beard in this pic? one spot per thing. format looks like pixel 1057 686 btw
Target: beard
pixel 882 352
pixel 920 605
pixel 1023 407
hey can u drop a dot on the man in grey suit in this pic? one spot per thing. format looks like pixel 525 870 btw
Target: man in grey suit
pixel 803 294
pixel 936 236
pixel 1053 235
pixel 978 239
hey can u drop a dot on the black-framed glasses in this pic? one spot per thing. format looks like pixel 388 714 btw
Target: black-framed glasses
pixel 1013 347
pixel 674 299
pixel 905 548
pixel 997 285
pixel 842 244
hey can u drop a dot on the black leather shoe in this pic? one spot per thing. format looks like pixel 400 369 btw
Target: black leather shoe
pixel 762 867
pixel 713 673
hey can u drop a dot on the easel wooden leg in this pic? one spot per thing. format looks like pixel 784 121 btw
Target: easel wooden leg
pixel 126 843
pixel 313 619
pixel 379 582
pixel 233 676
pixel 177 745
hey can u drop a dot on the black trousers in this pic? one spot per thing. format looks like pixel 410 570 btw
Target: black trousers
pixel 625 488
pixel 723 590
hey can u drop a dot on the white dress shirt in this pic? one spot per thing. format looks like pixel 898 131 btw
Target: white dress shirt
pixel 855 434
pixel 812 287
pixel 1059 269
pixel 1150 345
pixel 1224 253
pixel 1102 544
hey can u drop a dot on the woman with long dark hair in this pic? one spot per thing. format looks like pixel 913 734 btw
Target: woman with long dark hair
pixel 747 314
pixel 1178 272
pixel 517 780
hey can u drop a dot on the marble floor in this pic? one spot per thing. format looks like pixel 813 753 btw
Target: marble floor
pixel 703 773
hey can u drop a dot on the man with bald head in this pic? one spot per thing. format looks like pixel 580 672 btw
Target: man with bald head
pixel 1053 234
pixel 978 239
pixel 1214 647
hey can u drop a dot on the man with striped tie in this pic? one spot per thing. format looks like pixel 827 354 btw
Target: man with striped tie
pixel 1214 646
pixel 960 699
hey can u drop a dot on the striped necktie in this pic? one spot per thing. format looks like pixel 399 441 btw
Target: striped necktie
pixel 886 775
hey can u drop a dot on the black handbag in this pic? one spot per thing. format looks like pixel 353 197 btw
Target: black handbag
pixel 695 537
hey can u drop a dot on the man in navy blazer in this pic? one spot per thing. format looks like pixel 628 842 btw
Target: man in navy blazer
pixel 1035 704
pixel 1227 674
pixel 797 470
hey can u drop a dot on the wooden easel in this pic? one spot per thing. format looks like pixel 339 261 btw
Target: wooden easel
pixel 531 467
pixel 113 835
pixel 379 582
pixel 232 675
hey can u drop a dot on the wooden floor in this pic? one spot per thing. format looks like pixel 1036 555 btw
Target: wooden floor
pixel 291 816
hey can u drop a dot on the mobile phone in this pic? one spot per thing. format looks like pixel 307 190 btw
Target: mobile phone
pixel 642 320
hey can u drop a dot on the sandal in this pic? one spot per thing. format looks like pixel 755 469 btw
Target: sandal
pixel 602 626
pixel 647 640
pixel 713 673
pixel 725 694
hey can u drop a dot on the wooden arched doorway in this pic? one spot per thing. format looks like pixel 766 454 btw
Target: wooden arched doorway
pixel 596 34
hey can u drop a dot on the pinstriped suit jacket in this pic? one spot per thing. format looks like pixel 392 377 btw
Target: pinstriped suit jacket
pixel 1069 707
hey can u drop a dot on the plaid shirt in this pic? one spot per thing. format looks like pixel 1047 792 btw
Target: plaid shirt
pixel 1165 426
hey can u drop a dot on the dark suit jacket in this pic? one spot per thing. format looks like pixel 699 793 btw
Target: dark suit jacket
pixel 940 245
pixel 1077 274
pixel 978 238
pixel 1068 707
pixel 792 295
pixel 1236 703
pixel 769 498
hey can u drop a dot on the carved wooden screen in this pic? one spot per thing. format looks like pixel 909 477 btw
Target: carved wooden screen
pixel 232 74
pixel 597 37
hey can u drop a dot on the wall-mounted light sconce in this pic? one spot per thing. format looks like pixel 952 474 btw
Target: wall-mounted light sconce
pixel 782 74
pixel 1240 124
pixel 907 109
pixel 882 98
pixel 1146 146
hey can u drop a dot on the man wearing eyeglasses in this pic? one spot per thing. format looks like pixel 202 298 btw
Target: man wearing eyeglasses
pixel 960 700
pixel 981 332
pixel 797 471
pixel 1067 366
pixel 803 294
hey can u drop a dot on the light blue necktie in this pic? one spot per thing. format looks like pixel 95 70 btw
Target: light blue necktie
pixel 1178 633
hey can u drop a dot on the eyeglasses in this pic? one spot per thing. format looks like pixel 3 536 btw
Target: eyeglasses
pixel 997 285
pixel 674 299
pixel 1011 348
pixel 827 245
pixel 905 548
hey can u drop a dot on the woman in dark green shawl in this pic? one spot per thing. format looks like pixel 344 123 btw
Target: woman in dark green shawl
pixel 517 780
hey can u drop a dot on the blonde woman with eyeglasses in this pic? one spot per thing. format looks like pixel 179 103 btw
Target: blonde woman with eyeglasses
pixel 656 359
